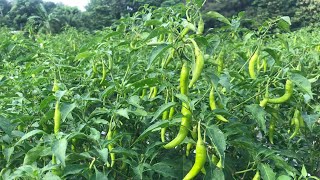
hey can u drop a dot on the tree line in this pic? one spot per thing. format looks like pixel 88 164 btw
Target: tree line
pixel 48 17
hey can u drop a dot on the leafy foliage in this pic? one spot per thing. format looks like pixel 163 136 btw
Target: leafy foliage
pixel 53 18
pixel 21 10
pixel 106 83
pixel 307 13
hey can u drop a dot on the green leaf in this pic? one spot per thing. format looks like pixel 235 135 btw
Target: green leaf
pixel 72 169
pixel 189 25
pixel 59 150
pixel 103 153
pixel 46 101
pixel 215 174
pixel 164 169
pixel 34 154
pixel 274 53
pixel 76 135
pixel 218 16
pixel 66 109
pixel 151 128
pixel 201 41
pixel 310 119
pixel 156 52
pixel 99 175
pixel 135 101
pixel 258 114
pixel 247 37
pixel 282 163
pixel 284 177
pixel 140 112
pixel 304 172
pixel 6 125
pixel 302 83
pixel 51 176
pixel 84 55
pixel 218 140
pixel 138 170
pixel 29 134
pixel 284 23
pixel 36 70
pixel 27 171
pixel 100 121
pixel 156 32
pixel 59 94
pixel 144 82
pixel 266 172
pixel 225 81
pixel 114 33
pixel 7 152
pixel 286 19
pixel 126 152
pixel 85 155
pixel 94 134
pixel 183 98
pixel 199 3
pixel 123 112
pixel 107 92
pixel 152 22
pixel 161 109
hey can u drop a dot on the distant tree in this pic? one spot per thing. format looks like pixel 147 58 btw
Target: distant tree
pixel 168 3
pixel 138 3
pixel 227 7
pixel 264 9
pixel 68 16
pixel 308 13
pixel 102 13
pixel 49 6
pixel 20 12
pixel 44 21
pixel 5 7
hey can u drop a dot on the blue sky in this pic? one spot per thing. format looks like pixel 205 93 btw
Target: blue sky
pixel 78 3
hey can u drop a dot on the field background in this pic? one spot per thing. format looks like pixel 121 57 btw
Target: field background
pixel 113 73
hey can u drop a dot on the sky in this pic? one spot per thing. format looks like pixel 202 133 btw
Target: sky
pixel 77 3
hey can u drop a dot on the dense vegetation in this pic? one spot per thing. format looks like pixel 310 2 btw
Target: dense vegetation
pixel 49 17
pixel 105 104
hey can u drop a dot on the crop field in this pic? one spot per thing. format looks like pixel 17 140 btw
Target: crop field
pixel 159 96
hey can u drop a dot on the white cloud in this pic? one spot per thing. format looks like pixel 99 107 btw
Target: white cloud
pixel 73 3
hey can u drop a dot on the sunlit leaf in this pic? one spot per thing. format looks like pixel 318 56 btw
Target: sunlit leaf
pixel 266 172
pixel 218 16
pixel 123 112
